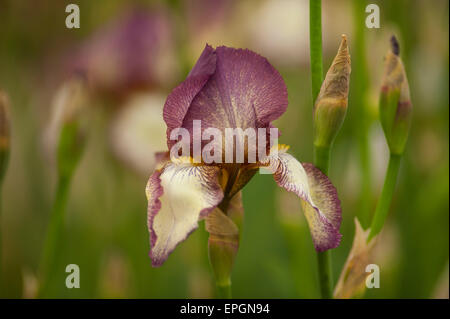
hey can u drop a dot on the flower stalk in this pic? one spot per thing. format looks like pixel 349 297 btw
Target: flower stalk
pixel 330 106
pixel 361 115
pixel 69 149
pixel 315 44
pixel 321 156
pixel 395 118
pixel 387 193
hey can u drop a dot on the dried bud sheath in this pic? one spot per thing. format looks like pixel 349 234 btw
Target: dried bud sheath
pixel 331 104
pixel 4 133
pixel 395 101
pixel 352 281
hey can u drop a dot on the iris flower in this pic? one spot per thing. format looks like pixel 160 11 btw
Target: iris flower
pixel 230 88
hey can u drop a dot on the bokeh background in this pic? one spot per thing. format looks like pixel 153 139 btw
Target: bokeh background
pixel 134 53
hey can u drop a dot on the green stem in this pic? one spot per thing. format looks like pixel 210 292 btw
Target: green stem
pixel 224 291
pixel 321 154
pixel 386 196
pixel 322 158
pixel 325 277
pixel 1 242
pixel 54 232
pixel 361 118
pixel 315 43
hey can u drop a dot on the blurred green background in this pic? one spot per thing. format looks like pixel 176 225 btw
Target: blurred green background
pixel 105 226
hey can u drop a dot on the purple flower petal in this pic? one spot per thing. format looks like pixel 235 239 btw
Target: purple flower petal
pixel 178 196
pixel 227 88
pixel 324 194
pixel 245 91
pixel 179 100
pixel 320 203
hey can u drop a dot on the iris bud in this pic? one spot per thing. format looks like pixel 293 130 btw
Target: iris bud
pixel 70 103
pixel 331 104
pixel 395 102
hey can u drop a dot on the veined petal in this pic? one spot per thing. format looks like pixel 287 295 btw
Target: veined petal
pixel 245 91
pixel 320 203
pixel 178 196
pixel 179 100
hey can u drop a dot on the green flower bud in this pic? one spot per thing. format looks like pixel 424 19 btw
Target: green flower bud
pixel 395 101
pixel 70 103
pixel 223 240
pixel 331 104
pixel 4 134
pixel 70 148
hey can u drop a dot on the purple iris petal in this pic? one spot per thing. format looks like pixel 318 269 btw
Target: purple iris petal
pixel 179 100
pixel 242 90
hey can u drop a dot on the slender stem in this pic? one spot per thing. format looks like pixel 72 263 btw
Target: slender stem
pixel 361 119
pixel 315 43
pixel 1 242
pixel 322 158
pixel 386 196
pixel 54 232
pixel 321 154
pixel 224 291
pixel 325 277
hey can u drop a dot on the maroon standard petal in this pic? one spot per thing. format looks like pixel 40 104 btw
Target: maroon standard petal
pixel 244 92
pixel 179 100
pixel 227 88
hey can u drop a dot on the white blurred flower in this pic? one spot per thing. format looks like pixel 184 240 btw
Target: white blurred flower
pixel 138 132
pixel 280 29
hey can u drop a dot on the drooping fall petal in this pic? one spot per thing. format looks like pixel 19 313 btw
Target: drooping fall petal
pixel 320 202
pixel 179 194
